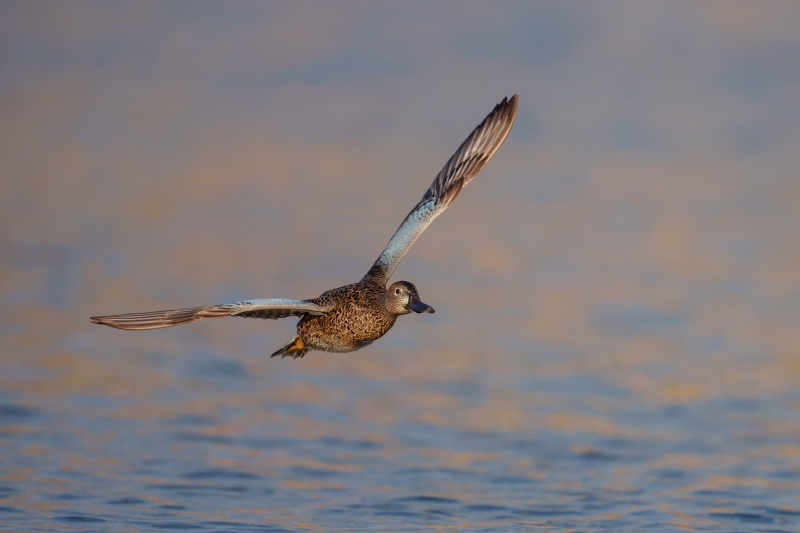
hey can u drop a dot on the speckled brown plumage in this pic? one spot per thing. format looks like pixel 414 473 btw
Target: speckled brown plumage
pixel 358 316
pixel 351 317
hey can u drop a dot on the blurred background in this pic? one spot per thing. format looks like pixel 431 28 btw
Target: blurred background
pixel 616 342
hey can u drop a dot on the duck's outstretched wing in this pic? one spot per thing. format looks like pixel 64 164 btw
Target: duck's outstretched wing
pixel 464 165
pixel 275 308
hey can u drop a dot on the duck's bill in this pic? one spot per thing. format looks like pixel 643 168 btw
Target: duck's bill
pixel 419 307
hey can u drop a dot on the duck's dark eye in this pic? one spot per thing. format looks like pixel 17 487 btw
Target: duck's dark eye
pixel 397 291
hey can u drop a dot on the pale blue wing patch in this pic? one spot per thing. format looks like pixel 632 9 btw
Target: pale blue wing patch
pixel 276 308
pixel 408 232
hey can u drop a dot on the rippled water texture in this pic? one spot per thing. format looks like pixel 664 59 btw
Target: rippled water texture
pixel 616 342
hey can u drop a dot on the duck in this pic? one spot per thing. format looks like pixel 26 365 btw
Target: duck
pixel 351 317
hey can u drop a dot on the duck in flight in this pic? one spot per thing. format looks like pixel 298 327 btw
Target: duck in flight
pixel 351 317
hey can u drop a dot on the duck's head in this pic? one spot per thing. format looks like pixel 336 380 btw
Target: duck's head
pixel 402 298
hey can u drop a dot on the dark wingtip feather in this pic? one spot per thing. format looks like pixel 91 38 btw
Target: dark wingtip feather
pixel 161 319
pixel 474 152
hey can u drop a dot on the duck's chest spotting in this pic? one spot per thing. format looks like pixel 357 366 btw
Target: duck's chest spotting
pixel 348 327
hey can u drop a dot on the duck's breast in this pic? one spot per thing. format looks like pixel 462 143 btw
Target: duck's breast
pixel 350 325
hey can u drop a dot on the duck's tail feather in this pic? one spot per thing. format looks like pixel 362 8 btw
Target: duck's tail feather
pixel 294 348
pixel 163 319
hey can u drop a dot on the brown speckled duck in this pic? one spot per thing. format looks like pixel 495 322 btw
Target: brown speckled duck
pixel 351 317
